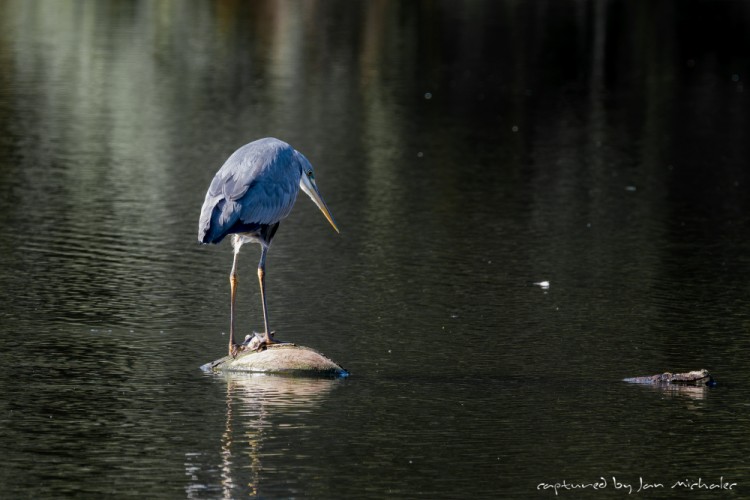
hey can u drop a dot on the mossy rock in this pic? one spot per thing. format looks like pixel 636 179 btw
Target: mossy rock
pixel 279 359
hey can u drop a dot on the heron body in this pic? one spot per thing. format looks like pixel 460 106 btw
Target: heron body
pixel 248 197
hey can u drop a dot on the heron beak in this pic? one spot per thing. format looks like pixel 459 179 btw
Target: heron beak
pixel 311 189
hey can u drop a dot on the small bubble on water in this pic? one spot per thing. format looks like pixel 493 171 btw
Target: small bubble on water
pixel 428 95
pixel 514 128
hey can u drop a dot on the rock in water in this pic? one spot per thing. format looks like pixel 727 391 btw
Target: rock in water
pixel 280 359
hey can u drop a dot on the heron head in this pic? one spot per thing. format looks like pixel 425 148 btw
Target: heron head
pixel 308 185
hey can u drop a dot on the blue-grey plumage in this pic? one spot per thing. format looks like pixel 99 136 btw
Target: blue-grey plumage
pixel 248 197
pixel 257 185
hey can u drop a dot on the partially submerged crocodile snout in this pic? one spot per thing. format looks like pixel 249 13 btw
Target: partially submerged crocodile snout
pixel 696 377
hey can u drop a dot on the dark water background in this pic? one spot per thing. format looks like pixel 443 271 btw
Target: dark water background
pixel 467 151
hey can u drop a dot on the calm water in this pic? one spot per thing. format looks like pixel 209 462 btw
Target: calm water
pixel 467 150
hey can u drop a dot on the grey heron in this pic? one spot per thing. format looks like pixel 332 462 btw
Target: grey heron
pixel 248 197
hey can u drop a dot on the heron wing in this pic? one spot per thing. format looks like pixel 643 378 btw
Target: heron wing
pixel 268 202
pixel 257 185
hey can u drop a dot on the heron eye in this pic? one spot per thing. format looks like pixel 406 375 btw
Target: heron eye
pixel 309 173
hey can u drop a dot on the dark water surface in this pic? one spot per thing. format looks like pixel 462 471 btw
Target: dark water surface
pixel 467 150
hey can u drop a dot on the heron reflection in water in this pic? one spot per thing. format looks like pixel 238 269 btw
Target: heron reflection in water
pixel 248 197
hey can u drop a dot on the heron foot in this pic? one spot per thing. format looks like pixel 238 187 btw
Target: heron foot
pixel 234 350
pixel 250 344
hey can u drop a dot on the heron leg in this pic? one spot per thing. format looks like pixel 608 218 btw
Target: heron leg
pixel 262 279
pixel 233 347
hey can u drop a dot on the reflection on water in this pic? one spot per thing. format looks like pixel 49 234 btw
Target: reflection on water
pixel 468 150
pixel 675 390
pixel 252 403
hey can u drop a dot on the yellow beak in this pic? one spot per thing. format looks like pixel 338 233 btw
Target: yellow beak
pixel 311 189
